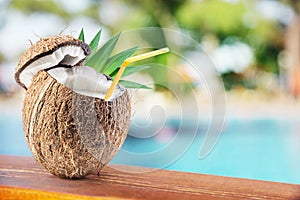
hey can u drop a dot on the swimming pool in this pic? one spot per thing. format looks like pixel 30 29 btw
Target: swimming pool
pixel 262 149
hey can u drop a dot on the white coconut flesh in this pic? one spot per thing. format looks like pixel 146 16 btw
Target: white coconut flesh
pixel 65 55
pixel 86 81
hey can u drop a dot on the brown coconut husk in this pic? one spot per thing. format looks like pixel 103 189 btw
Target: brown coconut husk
pixel 70 134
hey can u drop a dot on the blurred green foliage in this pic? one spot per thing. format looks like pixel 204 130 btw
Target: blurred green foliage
pixel 29 6
pixel 214 16
pixel 223 19
pixel 241 21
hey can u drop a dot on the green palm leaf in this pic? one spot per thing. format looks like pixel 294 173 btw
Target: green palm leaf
pixel 130 84
pixel 129 70
pixel 95 41
pixel 81 35
pixel 101 61
pixel 115 61
pixel 100 57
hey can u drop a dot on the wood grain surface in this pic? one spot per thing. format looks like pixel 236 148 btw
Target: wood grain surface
pixel 23 178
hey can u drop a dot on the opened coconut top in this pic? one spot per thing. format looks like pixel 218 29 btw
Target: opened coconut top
pixel 86 81
pixel 50 52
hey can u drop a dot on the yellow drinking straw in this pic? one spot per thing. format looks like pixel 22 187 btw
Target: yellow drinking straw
pixel 127 62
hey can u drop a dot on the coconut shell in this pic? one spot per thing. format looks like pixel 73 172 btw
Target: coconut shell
pixel 70 134
pixel 44 47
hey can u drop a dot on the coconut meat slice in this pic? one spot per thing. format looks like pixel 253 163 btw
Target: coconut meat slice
pixel 86 81
pixel 66 55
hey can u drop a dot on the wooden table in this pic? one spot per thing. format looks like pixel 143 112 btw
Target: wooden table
pixel 23 178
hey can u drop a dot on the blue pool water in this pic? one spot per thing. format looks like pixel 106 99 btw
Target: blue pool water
pixel 256 149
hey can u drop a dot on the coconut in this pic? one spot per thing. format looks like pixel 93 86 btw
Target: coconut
pixel 69 127
pixel 50 52
pixel 70 133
